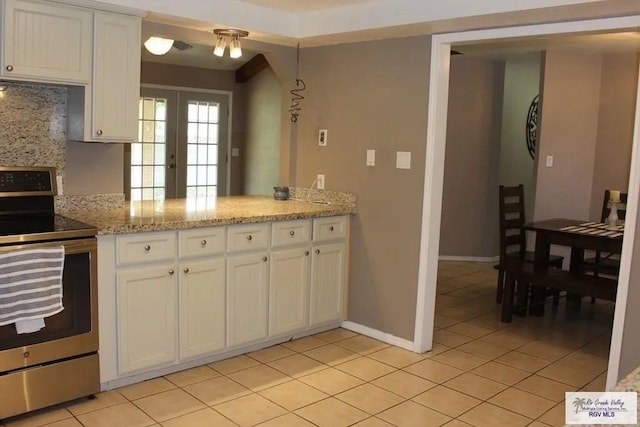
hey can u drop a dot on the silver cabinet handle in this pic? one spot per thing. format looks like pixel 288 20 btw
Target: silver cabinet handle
pixel 331 228
pixel 186 269
pixel 249 237
pixel 9 67
pixel 171 272
pixel 292 233
pixel 317 251
pixel 147 248
pixel 99 132
pixel 203 243
pixel 264 258
pixel 306 253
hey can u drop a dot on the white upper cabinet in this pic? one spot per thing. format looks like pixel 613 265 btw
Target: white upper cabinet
pixel 116 78
pixel 46 42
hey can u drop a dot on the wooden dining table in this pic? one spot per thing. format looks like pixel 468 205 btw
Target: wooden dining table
pixel 580 236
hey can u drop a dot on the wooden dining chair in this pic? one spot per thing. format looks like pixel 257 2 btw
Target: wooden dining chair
pixel 512 234
pixel 604 263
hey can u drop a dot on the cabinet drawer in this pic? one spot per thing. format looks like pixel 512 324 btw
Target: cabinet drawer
pixel 146 247
pixel 247 237
pixel 290 233
pixel 201 241
pixel 329 228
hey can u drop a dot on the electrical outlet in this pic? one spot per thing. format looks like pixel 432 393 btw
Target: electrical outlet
pixel 323 134
pixel 320 183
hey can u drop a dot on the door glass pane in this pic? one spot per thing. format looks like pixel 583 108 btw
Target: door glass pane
pixel 148 168
pixel 202 148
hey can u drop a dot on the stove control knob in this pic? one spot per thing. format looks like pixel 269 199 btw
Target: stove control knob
pixel 147 248
pixel 26 354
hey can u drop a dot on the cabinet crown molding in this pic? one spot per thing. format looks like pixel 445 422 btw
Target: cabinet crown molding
pixel 106 7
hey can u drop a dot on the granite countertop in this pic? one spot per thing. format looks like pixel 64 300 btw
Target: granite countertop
pixel 175 214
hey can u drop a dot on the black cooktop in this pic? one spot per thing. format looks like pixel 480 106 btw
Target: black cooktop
pixel 42 229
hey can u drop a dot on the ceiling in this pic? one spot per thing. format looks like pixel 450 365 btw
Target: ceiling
pixel 326 21
pixel 302 6
pixel 200 56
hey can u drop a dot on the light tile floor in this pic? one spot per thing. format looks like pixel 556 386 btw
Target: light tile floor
pixel 481 372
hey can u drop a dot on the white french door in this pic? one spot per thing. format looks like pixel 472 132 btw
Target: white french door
pixel 182 148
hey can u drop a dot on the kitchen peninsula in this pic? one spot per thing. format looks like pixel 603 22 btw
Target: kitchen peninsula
pixel 186 282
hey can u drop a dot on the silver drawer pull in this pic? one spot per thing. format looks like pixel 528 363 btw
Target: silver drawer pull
pixel 203 243
pixel 292 233
pixel 9 67
pixel 264 258
pixel 171 272
pixel 331 228
pixel 147 248
pixel 249 237
pixel 186 269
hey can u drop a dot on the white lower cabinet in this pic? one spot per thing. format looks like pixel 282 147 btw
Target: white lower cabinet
pixel 328 271
pixel 201 307
pixel 247 298
pixel 147 318
pixel 182 296
pixel 288 291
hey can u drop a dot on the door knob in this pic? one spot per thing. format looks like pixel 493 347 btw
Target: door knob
pixel 147 248
pixel 99 132
pixel 171 272
pixel 203 243
pixel 9 67
pixel 171 166
pixel 186 269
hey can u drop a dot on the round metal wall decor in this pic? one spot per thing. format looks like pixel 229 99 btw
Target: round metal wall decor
pixel 532 126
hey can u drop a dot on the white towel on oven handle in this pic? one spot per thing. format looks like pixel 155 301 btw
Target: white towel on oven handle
pixel 30 287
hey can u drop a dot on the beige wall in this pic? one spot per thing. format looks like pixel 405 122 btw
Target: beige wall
pixel 615 126
pixel 521 85
pixel 263 105
pixel 570 104
pixel 371 95
pixel 469 224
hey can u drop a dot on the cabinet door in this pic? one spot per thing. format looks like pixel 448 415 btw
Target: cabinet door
pixel 46 42
pixel 202 307
pixel 288 290
pixel 327 283
pixel 147 301
pixel 116 80
pixel 247 295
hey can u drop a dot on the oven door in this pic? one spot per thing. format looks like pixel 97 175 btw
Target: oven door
pixel 73 331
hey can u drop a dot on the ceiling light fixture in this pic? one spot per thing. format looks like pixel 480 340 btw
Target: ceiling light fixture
pixel 158 45
pixel 231 37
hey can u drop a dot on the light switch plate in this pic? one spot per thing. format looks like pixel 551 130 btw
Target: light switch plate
pixel 549 162
pixel 403 160
pixel 371 157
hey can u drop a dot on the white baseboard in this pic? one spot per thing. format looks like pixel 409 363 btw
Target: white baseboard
pixel 379 335
pixel 469 258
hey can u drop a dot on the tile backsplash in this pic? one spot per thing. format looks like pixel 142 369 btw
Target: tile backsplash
pixel 33 121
